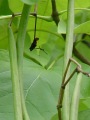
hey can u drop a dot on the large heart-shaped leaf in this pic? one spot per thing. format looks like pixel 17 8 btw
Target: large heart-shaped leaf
pixel 41 89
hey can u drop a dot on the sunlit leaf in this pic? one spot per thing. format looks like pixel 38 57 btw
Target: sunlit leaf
pixel 81 28
pixel 30 2
pixel 41 89
pixel 84 115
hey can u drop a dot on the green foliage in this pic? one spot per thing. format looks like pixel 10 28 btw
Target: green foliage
pixel 39 85
pixel 81 28
pixel 84 114
pixel 30 2
pixel 42 73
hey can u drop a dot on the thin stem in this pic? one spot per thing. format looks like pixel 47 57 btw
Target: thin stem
pixel 60 100
pixel 35 26
pixel 68 54
pixel 74 61
pixel 46 18
pixel 61 93
pixel 67 81
pixel 66 71
pixel 83 72
pixel 20 48
pixel 35 11
pixel 11 20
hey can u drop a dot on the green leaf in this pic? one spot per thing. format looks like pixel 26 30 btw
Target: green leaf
pixel 55 117
pixel 62 27
pixel 30 2
pixel 4 4
pixel 41 89
pixel 81 28
pixel 84 115
pixel 84 104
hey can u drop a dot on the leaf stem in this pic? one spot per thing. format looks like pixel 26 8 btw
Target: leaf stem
pixel 46 18
pixel 68 55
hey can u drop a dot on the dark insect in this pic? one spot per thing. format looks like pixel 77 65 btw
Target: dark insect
pixel 34 44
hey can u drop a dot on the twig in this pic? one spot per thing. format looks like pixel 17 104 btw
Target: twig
pixel 74 61
pixel 79 68
pixel 35 11
pixel 34 43
pixel 66 71
pixel 66 82
pixel 63 85
pixel 85 73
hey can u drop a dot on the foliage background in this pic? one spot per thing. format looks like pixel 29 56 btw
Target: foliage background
pixel 42 72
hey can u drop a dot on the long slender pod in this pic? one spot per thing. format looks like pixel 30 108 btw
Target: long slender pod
pixel 68 55
pixel 14 75
pixel 75 98
pixel 20 48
